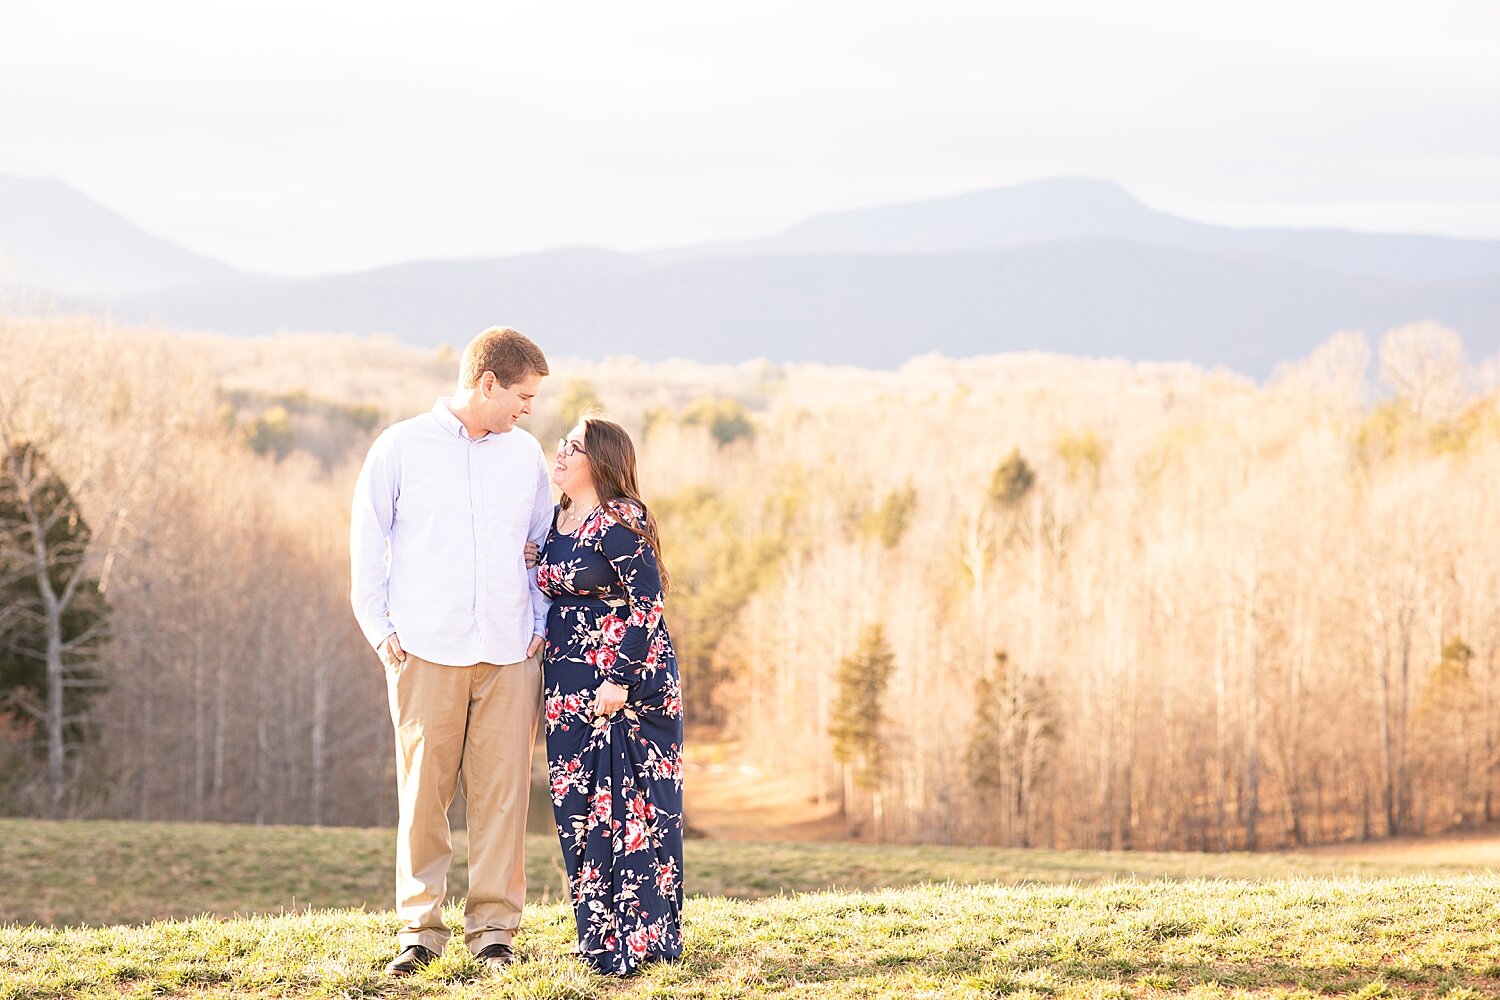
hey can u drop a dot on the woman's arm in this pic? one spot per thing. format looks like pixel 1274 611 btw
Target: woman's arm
pixel 625 655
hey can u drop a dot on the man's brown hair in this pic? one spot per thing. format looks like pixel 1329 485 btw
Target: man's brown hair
pixel 508 353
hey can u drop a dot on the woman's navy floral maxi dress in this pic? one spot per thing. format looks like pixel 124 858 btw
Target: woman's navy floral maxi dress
pixel 616 782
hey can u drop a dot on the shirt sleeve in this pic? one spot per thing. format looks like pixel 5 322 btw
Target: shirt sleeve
pixel 634 562
pixel 370 518
pixel 541 522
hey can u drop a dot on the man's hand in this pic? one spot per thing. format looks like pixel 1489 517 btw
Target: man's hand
pixel 391 652
pixel 536 644
pixel 609 698
pixel 531 555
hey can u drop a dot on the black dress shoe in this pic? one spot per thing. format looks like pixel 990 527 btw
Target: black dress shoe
pixel 412 959
pixel 496 956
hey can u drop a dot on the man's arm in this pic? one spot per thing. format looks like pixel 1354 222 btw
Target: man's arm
pixel 371 515
pixel 541 522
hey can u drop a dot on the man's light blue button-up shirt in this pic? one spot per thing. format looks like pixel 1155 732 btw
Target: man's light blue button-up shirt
pixel 436 540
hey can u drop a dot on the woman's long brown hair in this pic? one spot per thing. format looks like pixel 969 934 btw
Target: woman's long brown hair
pixel 611 457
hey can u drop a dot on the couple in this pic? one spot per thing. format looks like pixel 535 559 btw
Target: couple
pixel 446 507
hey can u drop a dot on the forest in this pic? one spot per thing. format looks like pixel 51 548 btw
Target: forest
pixel 1026 600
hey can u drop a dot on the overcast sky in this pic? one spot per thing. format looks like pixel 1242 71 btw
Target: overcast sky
pixel 304 137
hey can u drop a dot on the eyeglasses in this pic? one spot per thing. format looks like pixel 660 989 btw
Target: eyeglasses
pixel 568 449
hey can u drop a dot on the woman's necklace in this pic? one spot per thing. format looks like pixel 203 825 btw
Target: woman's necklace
pixel 576 518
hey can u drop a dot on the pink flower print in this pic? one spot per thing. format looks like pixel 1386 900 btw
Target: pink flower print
pixel 642 809
pixel 612 628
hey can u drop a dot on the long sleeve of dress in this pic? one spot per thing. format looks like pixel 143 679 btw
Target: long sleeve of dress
pixel 629 653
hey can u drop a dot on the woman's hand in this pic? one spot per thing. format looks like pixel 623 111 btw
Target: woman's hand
pixel 531 555
pixel 609 698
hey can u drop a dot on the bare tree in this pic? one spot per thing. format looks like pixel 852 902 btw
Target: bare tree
pixel 1425 365
pixel 66 530
pixel 62 616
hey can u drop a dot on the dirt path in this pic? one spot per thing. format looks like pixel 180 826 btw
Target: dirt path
pixel 728 798
pixel 1476 848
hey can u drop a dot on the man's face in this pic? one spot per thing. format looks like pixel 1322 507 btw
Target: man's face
pixel 504 405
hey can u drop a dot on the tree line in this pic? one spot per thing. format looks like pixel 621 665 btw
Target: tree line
pixel 1022 600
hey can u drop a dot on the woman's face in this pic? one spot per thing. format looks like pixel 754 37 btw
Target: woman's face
pixel 570 466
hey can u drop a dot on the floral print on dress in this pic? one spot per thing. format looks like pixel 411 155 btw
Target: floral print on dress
pixel 616 783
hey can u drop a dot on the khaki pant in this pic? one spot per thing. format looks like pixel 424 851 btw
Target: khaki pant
pixel 474 724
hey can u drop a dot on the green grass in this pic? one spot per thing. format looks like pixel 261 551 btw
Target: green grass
pixel 1183 925
pixel 1411 936
pixel 102 872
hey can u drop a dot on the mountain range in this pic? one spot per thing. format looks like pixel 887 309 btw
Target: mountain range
pixel 1069 265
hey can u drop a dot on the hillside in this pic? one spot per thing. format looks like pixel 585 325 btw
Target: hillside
pixel 1086 572
pixel 1411 935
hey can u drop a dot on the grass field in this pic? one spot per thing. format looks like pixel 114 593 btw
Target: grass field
pixel 850 922
pixel 101 872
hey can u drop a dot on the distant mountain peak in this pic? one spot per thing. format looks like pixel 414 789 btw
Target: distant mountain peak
pixel 1053 208
pixel 57 238
pixel 1038 211
pixel 1053 189
pixel 1070 208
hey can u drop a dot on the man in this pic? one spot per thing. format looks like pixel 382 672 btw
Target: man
pixel 442 511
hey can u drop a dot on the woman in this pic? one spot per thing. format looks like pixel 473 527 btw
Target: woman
pixel 613 706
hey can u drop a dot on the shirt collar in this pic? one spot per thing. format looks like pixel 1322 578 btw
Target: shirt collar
pixel 449 422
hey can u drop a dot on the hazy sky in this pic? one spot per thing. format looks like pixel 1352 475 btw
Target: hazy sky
pixel 311 136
